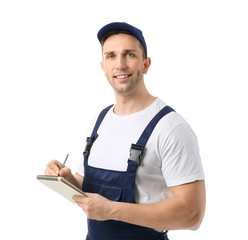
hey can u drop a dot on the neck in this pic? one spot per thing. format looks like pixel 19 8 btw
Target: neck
pixel 133 102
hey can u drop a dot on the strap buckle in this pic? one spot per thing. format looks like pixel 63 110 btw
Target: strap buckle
pixel 89 143
pixel 136 153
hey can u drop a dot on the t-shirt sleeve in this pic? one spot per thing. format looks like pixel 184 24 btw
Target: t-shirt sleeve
pixel 181 162
pixel 80 168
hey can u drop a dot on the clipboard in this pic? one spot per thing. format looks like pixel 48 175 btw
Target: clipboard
pixel 61 186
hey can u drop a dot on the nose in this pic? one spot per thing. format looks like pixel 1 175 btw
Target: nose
pixel 120 63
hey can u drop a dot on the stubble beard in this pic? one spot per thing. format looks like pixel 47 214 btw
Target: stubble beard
pixel 127 89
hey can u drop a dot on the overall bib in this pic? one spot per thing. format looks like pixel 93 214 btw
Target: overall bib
pixel 118 186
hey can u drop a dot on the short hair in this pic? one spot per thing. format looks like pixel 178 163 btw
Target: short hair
pixel 115 32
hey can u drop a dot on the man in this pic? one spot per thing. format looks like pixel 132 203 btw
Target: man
pixel 158 183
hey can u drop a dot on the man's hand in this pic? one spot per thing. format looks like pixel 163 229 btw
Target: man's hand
pixel 54 168
pixel 95 206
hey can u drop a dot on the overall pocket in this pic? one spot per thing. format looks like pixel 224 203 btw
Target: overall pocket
pixel 109 191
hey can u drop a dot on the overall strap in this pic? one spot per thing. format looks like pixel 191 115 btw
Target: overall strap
pixel 100 119
pixel 90 140
pixel 152 124
pixel 137 150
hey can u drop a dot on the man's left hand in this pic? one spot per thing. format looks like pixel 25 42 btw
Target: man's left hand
pixel 95 206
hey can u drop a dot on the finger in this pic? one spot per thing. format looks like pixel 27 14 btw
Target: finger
pixel 52 168
pixel 51 172
pixel 65 172
pixel 78 199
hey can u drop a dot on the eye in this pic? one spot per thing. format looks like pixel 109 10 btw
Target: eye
pixel 130 55
pixel 110 56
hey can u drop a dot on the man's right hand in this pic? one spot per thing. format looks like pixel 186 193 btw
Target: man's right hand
pixel 54 168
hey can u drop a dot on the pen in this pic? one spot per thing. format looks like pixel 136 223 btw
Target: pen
pixel 65 161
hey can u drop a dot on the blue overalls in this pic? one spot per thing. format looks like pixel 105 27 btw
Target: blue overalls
pixel 118 186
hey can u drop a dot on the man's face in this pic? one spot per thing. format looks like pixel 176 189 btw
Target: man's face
pixel 123 63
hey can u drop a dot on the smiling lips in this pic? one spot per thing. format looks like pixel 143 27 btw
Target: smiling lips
pixel 122 76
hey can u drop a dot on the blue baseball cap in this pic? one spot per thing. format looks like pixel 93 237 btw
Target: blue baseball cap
pixel 122 26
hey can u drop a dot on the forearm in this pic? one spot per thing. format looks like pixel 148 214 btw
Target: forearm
pixel 167 214
pixel 185 210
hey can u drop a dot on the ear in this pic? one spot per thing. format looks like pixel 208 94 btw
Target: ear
pixel 147 63
pixel 103 67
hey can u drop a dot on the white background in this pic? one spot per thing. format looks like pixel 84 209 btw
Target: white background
pixel 52 85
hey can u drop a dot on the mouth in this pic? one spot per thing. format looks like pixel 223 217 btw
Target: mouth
pixel 122 76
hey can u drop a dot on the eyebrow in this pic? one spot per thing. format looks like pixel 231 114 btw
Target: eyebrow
pixel 125 51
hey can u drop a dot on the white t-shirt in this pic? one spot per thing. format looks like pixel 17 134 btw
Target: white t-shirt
pixel 171 155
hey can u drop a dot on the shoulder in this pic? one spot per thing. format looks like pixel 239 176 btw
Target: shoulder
pixel 174 132
pixel 170 121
